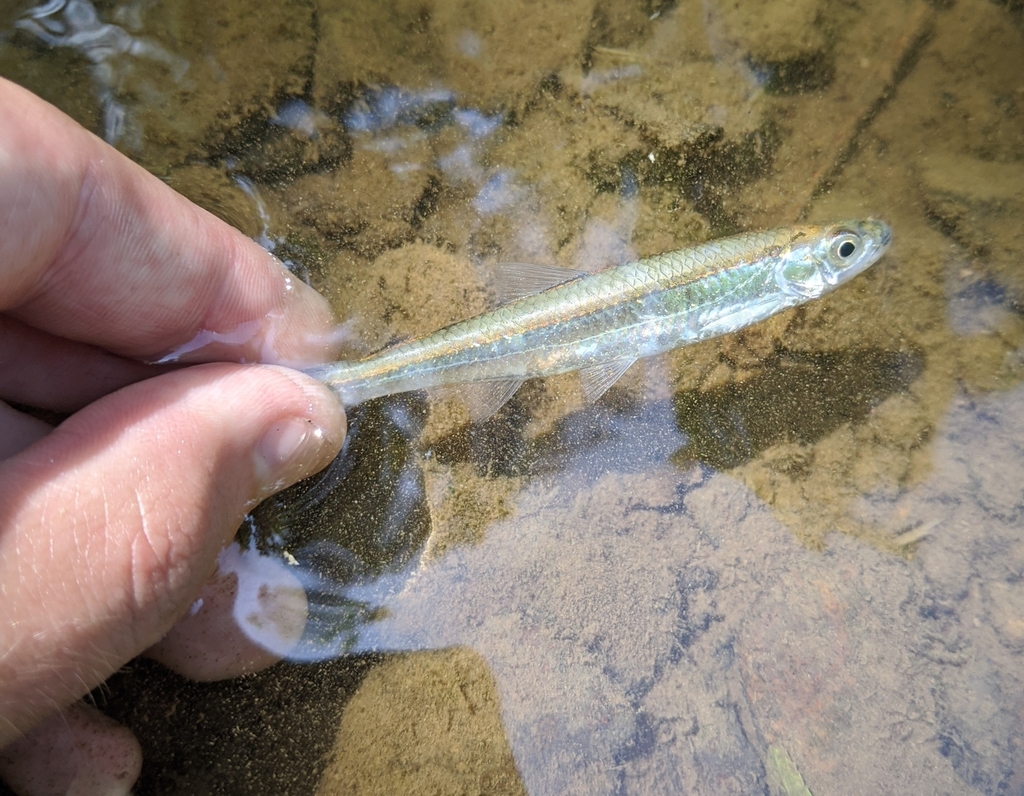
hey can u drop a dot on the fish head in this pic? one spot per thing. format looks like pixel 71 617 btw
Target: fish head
pixel 821 258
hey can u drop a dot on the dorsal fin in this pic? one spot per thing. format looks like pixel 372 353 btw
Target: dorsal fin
pixel 516 280
pixel 598 378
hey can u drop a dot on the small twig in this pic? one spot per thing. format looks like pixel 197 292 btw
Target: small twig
pixel 908 538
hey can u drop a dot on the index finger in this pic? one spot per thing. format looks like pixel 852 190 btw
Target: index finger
pixel 95 249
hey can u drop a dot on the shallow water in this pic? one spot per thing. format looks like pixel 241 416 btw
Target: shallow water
pixel 785 560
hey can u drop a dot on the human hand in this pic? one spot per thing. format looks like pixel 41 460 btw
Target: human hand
pixel 111 523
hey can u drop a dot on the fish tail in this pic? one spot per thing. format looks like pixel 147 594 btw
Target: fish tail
pixel 339 376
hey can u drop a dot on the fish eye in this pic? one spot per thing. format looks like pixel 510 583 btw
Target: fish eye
pixel 845 246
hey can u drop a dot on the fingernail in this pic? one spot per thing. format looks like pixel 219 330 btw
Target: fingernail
pixel 296 447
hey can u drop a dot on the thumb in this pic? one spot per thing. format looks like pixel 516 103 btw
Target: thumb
pixel 110 525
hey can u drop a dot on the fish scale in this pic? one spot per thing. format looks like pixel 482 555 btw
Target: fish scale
pixel 601 323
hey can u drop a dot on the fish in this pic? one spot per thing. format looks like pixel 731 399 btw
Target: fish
pixel 555 320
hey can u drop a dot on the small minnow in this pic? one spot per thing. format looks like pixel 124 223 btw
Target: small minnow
pixel 556 320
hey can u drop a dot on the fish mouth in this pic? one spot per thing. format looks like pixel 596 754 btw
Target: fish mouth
pixel 877 235
pixel 886 236
pixel 880 231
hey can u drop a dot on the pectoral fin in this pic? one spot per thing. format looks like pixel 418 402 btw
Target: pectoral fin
pixel 741 317
pixel 598 378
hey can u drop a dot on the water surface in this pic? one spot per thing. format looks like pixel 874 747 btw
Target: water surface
pixel 785 560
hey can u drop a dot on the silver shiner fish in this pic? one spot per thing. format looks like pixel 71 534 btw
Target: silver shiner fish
pixel 556 320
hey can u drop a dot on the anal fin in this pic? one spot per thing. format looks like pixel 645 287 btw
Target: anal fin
pixel 598 378
pixel 484 398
